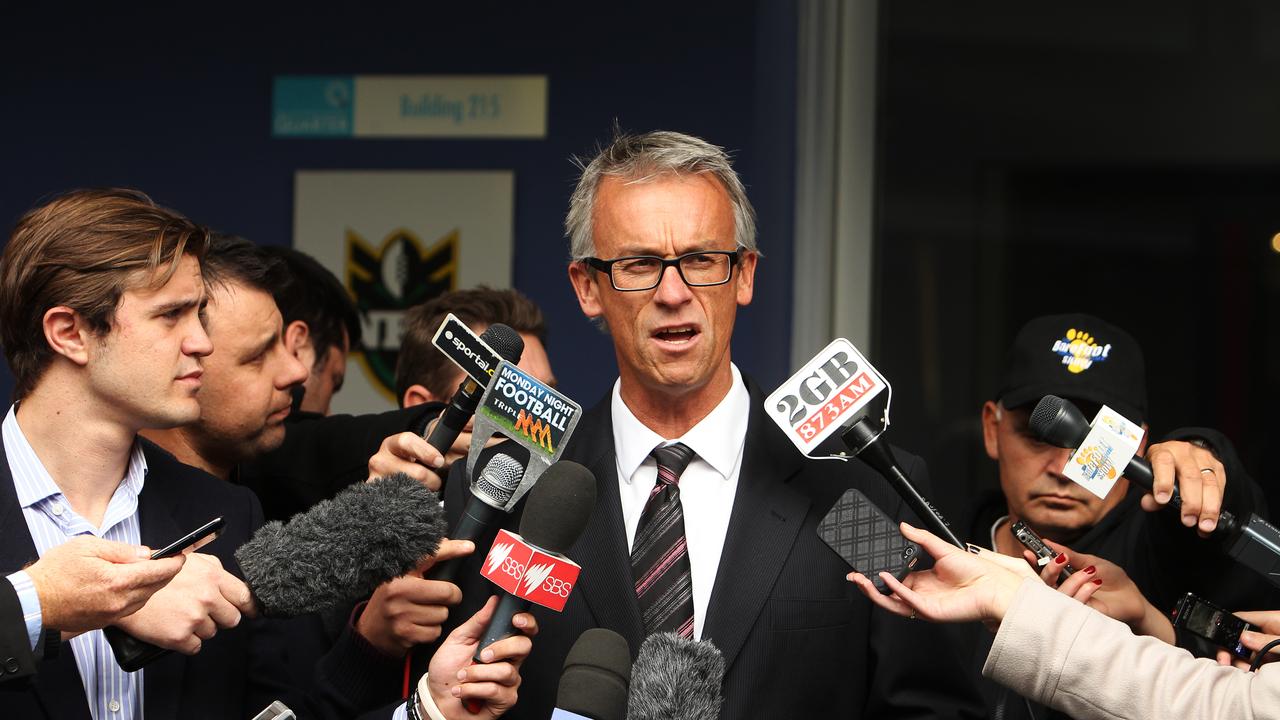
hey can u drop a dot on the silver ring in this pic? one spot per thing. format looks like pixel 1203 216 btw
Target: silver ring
pixel 912 616
pixel 1207 471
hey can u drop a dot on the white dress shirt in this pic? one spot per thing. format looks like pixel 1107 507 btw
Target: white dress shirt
pixel 707 486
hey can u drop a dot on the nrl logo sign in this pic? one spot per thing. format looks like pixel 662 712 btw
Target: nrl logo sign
pixel 387 280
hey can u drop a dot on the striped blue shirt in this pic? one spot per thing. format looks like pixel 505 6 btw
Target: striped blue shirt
pixel 112 693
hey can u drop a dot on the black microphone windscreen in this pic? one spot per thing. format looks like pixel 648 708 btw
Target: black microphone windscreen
pixel 1058 422
pixel 675 678
pixel 559 506
pixel 342 549
pixel 504 341
pixel 597 674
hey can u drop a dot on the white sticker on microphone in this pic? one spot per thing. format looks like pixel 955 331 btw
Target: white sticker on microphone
pixel 828 392
pixel 1101 459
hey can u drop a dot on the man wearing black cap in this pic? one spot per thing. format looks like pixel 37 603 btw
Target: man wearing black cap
pixel 1093 363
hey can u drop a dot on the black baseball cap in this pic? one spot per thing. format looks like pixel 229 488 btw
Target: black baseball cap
pixel 1077 357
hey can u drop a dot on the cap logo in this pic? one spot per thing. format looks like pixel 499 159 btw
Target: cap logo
pixel 1080 350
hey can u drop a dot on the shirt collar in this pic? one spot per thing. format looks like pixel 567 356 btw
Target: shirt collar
pixel 717 438
pixel 32 482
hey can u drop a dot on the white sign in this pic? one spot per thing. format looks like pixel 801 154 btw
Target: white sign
pixel 396 239
pixel 825 395
pixel 1105 453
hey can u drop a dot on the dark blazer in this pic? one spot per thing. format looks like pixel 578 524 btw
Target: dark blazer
pixel 237 672
pixel 797 638
pixel 322 455
pixel 17 660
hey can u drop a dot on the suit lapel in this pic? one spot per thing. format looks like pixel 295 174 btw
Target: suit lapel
pixel 58 685
pixel 767 515
pixel 608 590
pixel 158 527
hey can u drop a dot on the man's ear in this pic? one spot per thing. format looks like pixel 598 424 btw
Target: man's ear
pixel 418 395
pixel 991 429
pixel 586 288
pixel 297 340
pixel 67 334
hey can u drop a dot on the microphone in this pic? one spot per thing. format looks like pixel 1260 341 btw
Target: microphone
pixel 531 567
pixel 834 390
pixel 491 492
pixel 342 549
pixel 1255 544
pixel 864 441
pixel 1060 423
pixel 508 344
pixel 338 551
pixel 596 676
pixel 676 678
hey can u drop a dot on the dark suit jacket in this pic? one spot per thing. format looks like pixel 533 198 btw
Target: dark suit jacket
pixel 797 638
pixel 17 660
pixel 322 455
pixel 236 673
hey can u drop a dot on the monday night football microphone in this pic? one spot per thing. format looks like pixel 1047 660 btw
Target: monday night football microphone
pixel 478 357
pixel 337 552
pixel 834 391
pixel 596 678
pixel 1099 448
pixel 537 422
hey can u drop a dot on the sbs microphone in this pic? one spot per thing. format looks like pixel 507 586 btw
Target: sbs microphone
pixel 676 678
pixel 555 514
pixel 596 678
pixel 861 437
pixel 1060 423
pixel 338 551
pixel 510 346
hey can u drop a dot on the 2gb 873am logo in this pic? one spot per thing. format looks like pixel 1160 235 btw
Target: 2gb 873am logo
pixel 827 393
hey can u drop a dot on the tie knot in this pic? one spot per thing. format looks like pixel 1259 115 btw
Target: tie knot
pixel 673 458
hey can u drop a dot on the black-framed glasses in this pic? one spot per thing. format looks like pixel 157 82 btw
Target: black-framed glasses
pixel 702 268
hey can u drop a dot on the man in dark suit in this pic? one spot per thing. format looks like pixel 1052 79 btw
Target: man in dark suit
pixel 706 516
pixel 101 297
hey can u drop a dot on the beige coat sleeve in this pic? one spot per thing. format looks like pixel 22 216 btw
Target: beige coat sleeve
pixel 1063 654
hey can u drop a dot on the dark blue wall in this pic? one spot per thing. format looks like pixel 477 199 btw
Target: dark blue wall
pixel 180 107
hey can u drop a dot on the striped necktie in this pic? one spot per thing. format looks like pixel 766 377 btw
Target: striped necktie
pixel 659 556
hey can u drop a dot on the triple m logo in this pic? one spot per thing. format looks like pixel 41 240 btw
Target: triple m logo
pixel 1080 350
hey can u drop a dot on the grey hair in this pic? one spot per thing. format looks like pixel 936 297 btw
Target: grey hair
pixel 646 157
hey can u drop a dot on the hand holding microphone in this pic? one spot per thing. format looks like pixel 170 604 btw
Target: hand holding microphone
pixel 410 610
pixel 461 689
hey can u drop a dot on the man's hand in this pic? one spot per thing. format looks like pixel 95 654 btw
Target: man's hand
pixel 189 610
pixel 87 583
pixel 410 610
pixel 1201 480
pixel 1116 596
pixel 410 454
pixel 453 679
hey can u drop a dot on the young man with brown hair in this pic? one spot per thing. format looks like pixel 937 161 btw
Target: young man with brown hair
pixel 101 319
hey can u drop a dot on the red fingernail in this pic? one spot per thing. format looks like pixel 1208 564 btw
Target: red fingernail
pixel 1098 581
pixel 1091 570
pixel 1062 557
